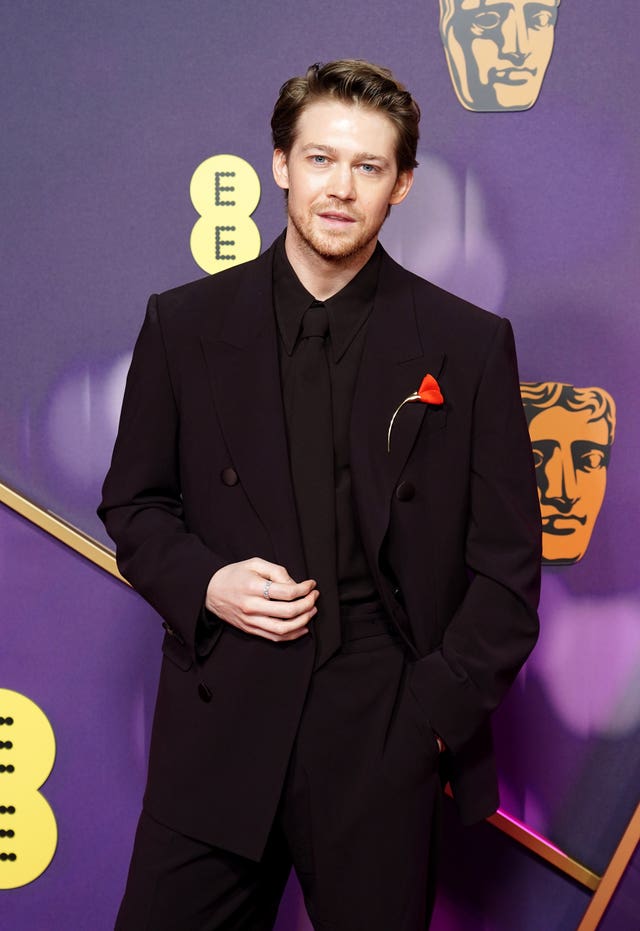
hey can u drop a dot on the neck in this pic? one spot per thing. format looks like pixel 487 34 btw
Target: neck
pixel 324 276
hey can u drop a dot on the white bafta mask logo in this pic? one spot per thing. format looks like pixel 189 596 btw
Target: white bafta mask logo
pixel 498 52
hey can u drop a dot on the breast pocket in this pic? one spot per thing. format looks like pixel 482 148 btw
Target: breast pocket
pixel 435 419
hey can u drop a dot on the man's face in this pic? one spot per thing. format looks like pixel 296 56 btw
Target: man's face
pixel 342 176
pixel 498 51
pixel 571 456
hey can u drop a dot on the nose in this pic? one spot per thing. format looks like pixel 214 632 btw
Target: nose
pixel 341 184
pixel 515 37
pixel 561 485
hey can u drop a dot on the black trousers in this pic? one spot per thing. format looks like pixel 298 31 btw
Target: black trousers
pixel 358 819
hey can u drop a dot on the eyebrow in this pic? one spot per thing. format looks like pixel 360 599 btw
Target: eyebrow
pixel 358 157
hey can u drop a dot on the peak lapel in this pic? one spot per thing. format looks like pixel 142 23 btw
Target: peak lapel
pixel 244 374
pixel 393 365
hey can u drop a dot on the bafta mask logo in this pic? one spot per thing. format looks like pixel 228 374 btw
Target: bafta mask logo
pixel 498 52
pixel 571 430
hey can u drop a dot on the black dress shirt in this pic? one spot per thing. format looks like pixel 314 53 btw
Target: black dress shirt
pixel 348 313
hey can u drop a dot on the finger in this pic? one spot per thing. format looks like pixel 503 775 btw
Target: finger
pixel 282 610
pixel 281 638
pixel 281 628
pixel 289 591
pixel 269 570
pixel 270 635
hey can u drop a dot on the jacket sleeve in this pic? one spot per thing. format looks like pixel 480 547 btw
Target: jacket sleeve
pixel 141 496
pixel 496 625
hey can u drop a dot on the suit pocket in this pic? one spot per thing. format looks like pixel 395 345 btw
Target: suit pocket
pixel 435 419
pixel 411 750
pixel 422 726
pixel 177 652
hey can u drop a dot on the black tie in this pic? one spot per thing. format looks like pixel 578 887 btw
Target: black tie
pixel 311 452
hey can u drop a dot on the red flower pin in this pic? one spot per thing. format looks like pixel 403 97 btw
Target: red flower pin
pixel 428 392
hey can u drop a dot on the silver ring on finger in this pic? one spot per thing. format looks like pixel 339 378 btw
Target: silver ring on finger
pixel 265 590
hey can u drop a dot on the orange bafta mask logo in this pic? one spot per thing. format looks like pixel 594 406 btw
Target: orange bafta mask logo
pixel 572 430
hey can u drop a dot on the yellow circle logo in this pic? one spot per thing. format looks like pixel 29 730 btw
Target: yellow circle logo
pixel 28 830
pixel 225 191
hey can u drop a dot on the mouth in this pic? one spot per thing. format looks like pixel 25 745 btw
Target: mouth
pixel 514 76
pixel 562 525
pixel 337 217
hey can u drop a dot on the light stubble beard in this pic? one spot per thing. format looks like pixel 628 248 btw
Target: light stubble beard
pixel 330 248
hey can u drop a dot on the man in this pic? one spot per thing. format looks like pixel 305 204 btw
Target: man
pixel 344 603
pixel 572 430
pixel 497 51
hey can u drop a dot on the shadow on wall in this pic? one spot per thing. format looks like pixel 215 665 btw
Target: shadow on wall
pixel 442 234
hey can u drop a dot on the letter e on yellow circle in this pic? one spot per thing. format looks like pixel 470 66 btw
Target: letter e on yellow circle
pixel 28 830
pixel 225 190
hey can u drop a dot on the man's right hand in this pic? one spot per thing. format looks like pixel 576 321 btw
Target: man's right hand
pixel 236 594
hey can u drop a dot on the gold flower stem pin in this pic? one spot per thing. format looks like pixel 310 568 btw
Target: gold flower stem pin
pixel 412 397
pixel 428 392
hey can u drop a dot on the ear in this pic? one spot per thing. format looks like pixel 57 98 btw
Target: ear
pixel 402 187
pixel 280 169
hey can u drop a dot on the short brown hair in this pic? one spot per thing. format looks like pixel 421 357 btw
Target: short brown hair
pixel 351 81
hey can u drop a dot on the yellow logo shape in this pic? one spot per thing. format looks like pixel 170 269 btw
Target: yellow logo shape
pixel 225 191
pixel 28 830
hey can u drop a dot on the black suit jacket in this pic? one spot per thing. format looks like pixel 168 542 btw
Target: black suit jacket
pixel 449 520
